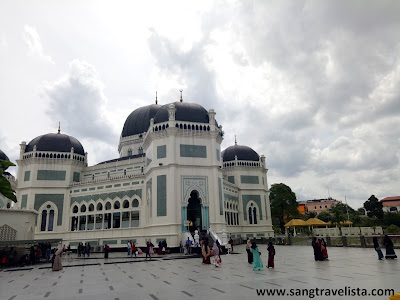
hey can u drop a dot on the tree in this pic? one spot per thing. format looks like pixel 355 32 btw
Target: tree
pixel 391 218
pixel 374 207
pixel 356 219
pixel 283 203
pixel 5 185
pixel 337 216
pixel 361 210
pixel 324 216
pixel 310 215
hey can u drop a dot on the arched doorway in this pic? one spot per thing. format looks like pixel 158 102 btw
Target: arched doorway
pixel 194 212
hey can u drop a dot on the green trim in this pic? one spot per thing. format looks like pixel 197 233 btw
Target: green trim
pixel 126 184
pixel 104 196
pixel 249 179
pixel 24 201
pixel 76 177
pixel 260 234
pixel 161 195
pixel 57 199
pixel 193 151
pixel 123 242
pixel 161 151
pixel 27 175
pixel 221 205
pixel 117 185
pixel 110 242
pixel 51 175
pixel 230 197
pixel 231 179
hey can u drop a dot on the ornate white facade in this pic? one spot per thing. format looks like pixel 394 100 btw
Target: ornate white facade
pixel 170 169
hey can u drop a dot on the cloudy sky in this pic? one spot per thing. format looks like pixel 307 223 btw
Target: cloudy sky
pixel 312 85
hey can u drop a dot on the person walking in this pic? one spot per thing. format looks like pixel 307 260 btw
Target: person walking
pixel 148 250
pixel 324 251
pixel 133 249
pixel 317 249
pixel 206 253
pixel 271 255
pixel 188 245
pixel 249 254
pixel 231 243
pixel 88 249
pixel 106 250
pixel 57 266
pixel 389 248
pixel 129 247
pixel 257 262
pixel 377 248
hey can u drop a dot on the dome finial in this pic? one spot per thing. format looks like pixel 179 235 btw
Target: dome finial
pixel 59 127
pixel 235 140
pixel 181 94
pixel 156 98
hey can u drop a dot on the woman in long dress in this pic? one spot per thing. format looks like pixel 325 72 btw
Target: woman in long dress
pixel 271 255
pixel 324 250
pixel 57 266
pixel 257 263
pixel 206 253
pixel 217 257
pixel 389 248
pixel 377 248
pixel 249 254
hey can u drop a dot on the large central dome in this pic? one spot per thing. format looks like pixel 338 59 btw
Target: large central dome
pixel 139 120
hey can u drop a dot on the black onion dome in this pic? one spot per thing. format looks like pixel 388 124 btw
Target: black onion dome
pixel 189 112
pixel 56 142
pixel 242 153
pixel 3 156
pixel 139 120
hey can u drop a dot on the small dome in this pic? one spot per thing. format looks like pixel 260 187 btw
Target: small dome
pixel 3 156
pixel 242 153
pixel 139 120
pixel 189 112
pixel 56 142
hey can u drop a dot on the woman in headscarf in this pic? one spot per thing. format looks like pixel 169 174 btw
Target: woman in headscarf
pixel 249 254
pixel 57 266
pixel 271 255
pixel 317 249
pixel 257 263
pixel 389 248
pixel 106 250
pixel 206 253
pixel 324 250
pixel 377 248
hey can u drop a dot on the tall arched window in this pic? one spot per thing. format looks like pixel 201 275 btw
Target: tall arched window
pixel 51 220
pixel 250 216
pixel 44 220
pixel 47 218
pixel 255 215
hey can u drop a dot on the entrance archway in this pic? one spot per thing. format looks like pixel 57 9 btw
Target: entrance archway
pixel 194 212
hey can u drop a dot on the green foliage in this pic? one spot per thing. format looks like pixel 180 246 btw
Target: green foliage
pixel 337 216
pixel 374 207
pixel 392 229
pixel 391 218
pixel 324 216
pixel 5 186
pixel 361 210
pixel 283 203
pixel 310 215
pixel 369 222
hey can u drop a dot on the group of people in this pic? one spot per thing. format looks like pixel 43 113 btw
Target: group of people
pixel 207 253
pixel 82 249
pixel 320 251
pixel 162 247
pixel 387 242
pixel 132 249
pixel 254 255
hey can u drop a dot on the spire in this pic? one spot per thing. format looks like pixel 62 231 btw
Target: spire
pixel 59 128
pixel 156 98
pixel 235 140
pixel 181 94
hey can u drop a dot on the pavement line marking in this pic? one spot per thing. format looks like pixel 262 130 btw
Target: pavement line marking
pixel 218 290
pixel 322 278
pixel 58 277
pixel 154 297
pixel 190 295
pixel 80 291
pixel 47 294
pixel 246 286
pixel 81 281
pixel 162 269
pixel 130 277
pixel 216 277
pixel 297 280
pixel 106 279
pixel 272 283
pixel 192 279
pixel 167 282
pixel 342 276
pixel 11 281
pixel 26 286
pixel 12 297
pixel 111 287
pixel 139 285
pixel 237 275
pixel 175 273
pixel 54 283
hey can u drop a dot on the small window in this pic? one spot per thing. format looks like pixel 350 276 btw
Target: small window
pixel 117 205
pixel 135 203
pixel 83 208
pixel 91 207
pixel 75 209
pixel 126 204
pixel 99 206
pixel 108 206
pixel 129 152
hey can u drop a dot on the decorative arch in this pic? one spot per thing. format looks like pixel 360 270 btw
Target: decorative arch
pixel 252 212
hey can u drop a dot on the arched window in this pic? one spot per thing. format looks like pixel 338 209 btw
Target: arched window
pixel 108 206
pixel 229 220
pixel 91 207
pixel 117 205
pixel 51 220
pixel 44 220
pixel 83 208
pixel 129 152
pixel 250 216
pixel 124 172
pixel 255 215
pixel 126 204
pixel 99 206
pixel 47 218
pixel 135 203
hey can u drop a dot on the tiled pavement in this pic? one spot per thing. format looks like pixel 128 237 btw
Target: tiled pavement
pixel 124 278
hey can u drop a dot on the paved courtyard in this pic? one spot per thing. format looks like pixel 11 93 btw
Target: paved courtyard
pixel 123 278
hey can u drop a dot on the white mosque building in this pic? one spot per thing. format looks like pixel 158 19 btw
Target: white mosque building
pixel 170 173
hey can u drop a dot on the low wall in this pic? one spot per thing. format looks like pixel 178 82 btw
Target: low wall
pixel 17 224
